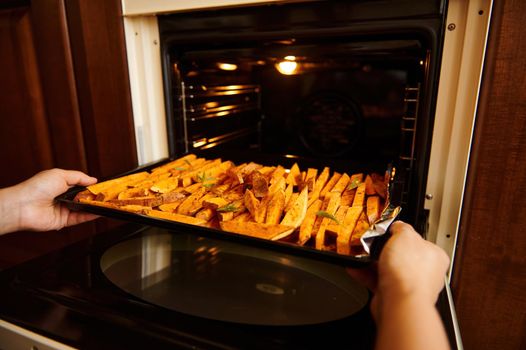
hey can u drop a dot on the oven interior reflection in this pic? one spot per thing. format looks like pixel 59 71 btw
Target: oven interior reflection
pixel 230 282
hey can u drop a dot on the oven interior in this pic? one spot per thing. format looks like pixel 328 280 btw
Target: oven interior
pixel 306 83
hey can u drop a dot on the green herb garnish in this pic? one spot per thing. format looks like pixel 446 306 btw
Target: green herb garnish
pixel 354 184
pixel 328 216
pixel 202 177
pixel 180 168
pixel 228 208
pixel 205 180
pixel 188 162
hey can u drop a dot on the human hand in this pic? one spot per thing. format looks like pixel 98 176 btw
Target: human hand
pixel 409 266
pixel 31 204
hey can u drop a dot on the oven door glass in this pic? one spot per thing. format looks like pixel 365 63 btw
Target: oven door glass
pixel 231 282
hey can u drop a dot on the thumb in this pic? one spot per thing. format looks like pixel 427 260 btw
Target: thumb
pixel 74 177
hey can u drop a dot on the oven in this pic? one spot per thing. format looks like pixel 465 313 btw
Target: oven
pixel 321 84
pixel 361 85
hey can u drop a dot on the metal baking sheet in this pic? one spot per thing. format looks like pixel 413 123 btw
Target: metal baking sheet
pixel 327 256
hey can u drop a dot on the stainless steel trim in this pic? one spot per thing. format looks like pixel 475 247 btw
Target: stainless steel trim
pixel 13 337
pixel 456 329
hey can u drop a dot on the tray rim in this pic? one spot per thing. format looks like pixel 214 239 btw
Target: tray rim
pixel 67 199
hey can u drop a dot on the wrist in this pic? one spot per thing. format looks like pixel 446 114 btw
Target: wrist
pixel 391 302
pixel 9 211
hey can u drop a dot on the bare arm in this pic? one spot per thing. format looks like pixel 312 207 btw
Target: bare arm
pixel 30 205
pixel 406 283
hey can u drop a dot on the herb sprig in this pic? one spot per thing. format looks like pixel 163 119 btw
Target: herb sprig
pixel 324 214
pixel 228 208
pixel 205 180
pixel 354 184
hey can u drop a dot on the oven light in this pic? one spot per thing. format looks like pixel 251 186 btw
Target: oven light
pixel 287 67
pixel 290 58
pixel 421 62
pixel 227 66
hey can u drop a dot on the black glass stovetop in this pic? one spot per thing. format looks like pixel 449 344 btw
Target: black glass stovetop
pixel 144 287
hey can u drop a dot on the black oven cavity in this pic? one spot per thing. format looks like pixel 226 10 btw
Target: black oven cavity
pixel 345 84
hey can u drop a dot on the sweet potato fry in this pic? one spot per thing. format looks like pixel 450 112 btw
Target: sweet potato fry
pixel 308 223
pixel 342 183
pixel 254 229
pixel 243 217
pixel 214 202
pixel 111 192
pixel 200 174
pixel 266 170
pixel 291 201
pixel 349 223
pixel 165 185
pixel 251 202
pixel 261 211
pixel 348 197
pixel 234 194
pixel 310 178
pixel 334 226
pixel 190 189
pixel 296 214
pixel 277 174
pixel 330 184
pixel 175 217
pixel 350 191
pixel 150 201
pixel 205 214
pixel 171 207
pixel 192 203
pixel 231 210
pixel 318 186
pixel 288 193
pixel 219 190
pixel 332 207
pixel 359 197
pixel 134 192
pixel 279 185
pixel 361 227
pixel 121 182
pixel 275 208
pixel 319 219
pixel 172 197
pixel 292 176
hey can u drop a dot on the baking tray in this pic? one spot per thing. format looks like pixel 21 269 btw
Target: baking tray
pixel 67 199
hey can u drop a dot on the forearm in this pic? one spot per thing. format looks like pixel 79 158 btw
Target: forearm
pixel 9 210
pixel 409 323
